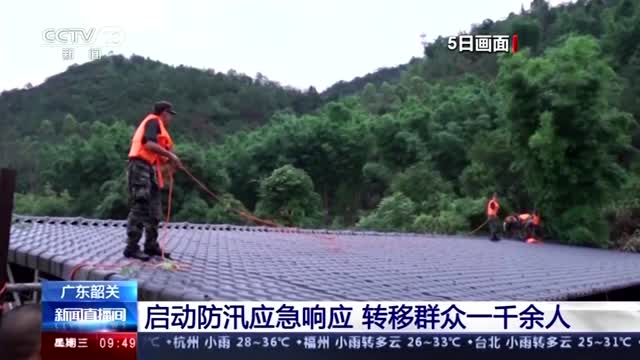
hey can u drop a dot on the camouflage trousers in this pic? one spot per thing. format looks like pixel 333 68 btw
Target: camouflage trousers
pixel 145 206
pixel 494 227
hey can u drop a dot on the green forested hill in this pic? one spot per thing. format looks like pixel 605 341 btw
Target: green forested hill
pixel 416 148
pixel 116 87
pixel 344 88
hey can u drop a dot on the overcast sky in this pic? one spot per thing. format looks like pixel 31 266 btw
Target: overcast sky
pixel 296 42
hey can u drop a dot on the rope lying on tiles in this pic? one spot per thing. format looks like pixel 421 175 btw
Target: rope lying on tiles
pixel 165 263
pixel 173 265
pixel 118 267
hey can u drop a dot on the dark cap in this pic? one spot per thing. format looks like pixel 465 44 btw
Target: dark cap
pixel 162 106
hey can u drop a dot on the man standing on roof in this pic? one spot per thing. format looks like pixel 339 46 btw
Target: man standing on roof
pixel 151 150
pixel 492 217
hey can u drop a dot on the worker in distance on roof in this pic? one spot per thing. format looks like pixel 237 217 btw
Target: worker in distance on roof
pixel 511 226
pixel 530 223
pixel 535 223
pixel 493 206
pixel 527 225
pixel 151 151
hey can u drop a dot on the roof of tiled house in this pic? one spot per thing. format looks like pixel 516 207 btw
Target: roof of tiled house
pixel 225 262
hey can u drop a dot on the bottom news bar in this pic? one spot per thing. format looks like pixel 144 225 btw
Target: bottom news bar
pixel 160 346
pixel 94 345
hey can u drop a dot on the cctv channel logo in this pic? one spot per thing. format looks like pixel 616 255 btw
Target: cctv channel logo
pixel 105 36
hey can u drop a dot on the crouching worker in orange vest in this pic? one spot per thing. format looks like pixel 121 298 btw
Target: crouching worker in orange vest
pixel 529 222
pixel 525 224
pixel 511 226
pixel 531 225
pixel 151 150
pixel 535 223
pixel 492 217
pixel 534 231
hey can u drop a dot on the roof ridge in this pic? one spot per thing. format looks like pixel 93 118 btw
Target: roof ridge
pixel 62 220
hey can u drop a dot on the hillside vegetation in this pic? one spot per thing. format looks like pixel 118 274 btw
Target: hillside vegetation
pixel 419 149
pixel 114 87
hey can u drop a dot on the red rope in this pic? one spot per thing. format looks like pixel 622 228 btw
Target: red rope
pixel 165 229
pixel 175 265
pixel 165 232
pixel 101 266
pixel 252 218
pixel 246 215
pixel 75 269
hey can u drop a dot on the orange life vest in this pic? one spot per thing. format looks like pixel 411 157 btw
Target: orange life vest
pixel 492 208
pixel 536 220
pixel 138 150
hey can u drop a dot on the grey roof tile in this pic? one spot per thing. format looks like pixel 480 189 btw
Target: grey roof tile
pixel 227 262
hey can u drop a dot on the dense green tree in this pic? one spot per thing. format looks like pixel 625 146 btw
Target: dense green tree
pixel 48 203
pixel 529 33
pixel 394 213
pixel 69 125
pixel 568 134
pixel 423 185
pixel 288 196
pixel 376 180
pixel 115 203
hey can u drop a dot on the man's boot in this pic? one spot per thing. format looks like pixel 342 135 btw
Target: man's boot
pixel 135 253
